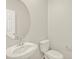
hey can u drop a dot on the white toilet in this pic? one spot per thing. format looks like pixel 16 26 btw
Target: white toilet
pixel 48 53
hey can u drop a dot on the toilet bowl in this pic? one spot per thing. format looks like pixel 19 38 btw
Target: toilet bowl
pixel 53 54
pixel 49 53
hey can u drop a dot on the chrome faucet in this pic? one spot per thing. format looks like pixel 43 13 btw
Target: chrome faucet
pixel 20 43
pixel 20 40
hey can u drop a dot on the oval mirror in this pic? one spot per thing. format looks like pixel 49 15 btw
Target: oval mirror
pixel 22 16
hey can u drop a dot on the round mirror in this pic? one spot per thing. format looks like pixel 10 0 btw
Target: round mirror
pixel 22 16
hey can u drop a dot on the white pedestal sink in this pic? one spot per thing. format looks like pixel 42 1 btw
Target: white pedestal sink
pixel 21 52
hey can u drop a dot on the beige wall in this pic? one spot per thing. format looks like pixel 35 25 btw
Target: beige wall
pixel 59 26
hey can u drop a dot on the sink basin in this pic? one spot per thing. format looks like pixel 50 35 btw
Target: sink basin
pixel 18 51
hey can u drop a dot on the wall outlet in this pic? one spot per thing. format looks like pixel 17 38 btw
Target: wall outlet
pixel 68 48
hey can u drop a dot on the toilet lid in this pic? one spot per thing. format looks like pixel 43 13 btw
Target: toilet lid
pixel 54 54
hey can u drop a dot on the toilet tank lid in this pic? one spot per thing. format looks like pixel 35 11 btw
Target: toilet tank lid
pixel 44 41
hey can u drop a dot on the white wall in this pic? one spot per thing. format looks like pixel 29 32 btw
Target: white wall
pixel 39 22
pixel 59 26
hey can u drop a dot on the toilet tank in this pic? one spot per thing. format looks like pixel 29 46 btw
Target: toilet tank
pixel 44 45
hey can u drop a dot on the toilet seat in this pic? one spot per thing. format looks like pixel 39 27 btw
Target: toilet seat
pixel 53 54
